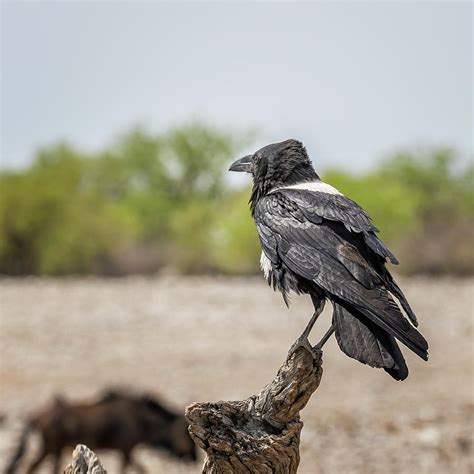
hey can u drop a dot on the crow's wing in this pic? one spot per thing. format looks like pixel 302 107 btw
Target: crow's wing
pixel 338 209
pixel 335 207
pixel 318 252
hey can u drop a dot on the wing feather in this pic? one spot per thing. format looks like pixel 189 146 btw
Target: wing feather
pixel 334 207
pixel 318 253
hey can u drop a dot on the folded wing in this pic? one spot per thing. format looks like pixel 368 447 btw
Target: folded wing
pixel 329 252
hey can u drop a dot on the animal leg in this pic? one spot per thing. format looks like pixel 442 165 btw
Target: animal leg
pixel 57 464
pixel 38 460
pixel 325 338
pixel 125 462
pixel 318 309
pixel 138 467
pixel 128 461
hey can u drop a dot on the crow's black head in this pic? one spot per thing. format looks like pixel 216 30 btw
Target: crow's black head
pixel 276 165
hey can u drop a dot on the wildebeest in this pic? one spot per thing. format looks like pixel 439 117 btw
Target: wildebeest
pixel 119 420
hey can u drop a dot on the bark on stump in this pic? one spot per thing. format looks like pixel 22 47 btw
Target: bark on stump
pixel 262 433
pixel 84 461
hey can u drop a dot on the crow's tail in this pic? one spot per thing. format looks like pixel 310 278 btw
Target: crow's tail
pixel 363 340
pixel 20 450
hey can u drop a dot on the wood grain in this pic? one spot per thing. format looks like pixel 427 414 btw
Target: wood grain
pixel 262 433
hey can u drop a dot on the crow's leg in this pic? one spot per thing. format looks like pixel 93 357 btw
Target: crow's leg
pixel 325 338
pixel 310 325
pixel 318 309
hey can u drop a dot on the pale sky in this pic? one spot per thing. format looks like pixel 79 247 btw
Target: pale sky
pixel 351 80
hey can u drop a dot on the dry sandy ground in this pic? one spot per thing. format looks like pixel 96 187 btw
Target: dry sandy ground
pixel 198 339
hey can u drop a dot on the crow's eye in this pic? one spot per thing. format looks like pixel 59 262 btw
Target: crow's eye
pixel 256 160
pixel 260 166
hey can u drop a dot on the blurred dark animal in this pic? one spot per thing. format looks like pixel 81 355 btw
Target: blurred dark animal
pixel 317 241
pixel 119 421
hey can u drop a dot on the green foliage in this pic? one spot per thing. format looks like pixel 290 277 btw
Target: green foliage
pixel 236 245
pixel 50 222
pixel 72 212
pixel 153 201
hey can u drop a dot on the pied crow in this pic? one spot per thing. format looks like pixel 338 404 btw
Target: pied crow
pixel 316 241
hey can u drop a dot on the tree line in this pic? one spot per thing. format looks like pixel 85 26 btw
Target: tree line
pixel 161 201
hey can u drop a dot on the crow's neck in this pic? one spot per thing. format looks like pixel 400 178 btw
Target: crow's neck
pixel 264 186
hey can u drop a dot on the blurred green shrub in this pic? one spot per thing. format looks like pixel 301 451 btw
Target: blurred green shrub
pixel 154 201
pixel 148 201
pixel 235 243
pixel 51 222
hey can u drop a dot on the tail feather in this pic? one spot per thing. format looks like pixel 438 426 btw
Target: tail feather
pixel 361 339
pixel 381 309
pixel 400 370
pixel 395 289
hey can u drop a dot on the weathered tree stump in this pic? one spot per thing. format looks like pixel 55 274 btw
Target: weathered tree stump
pixel 262 433
pixel 84 461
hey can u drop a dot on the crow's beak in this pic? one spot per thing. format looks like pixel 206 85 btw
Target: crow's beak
pixel 243 164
